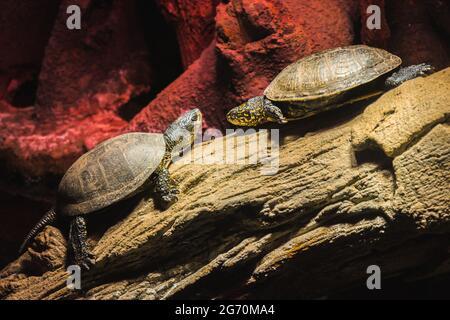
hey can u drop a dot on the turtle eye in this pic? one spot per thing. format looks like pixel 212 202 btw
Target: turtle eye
pixel 194 117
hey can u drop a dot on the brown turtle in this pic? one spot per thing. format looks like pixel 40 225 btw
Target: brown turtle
pixel 323 81
pixel 113 171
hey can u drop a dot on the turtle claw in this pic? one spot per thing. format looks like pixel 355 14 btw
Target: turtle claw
pixel 170 198
pixel 282 120
pixel 86 261
pixel 425 69
pixel 86 265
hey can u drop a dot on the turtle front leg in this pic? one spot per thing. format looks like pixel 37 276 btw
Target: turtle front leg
pixel 273 113
pixel 82 256
pixel 408 73
pixel 165 189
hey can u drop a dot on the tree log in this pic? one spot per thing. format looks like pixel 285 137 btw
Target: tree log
pixel 362 190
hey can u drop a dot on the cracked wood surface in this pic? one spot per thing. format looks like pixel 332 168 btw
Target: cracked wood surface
pixel 373 189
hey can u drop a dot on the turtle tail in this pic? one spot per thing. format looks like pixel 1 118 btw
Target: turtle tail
pixel 47 219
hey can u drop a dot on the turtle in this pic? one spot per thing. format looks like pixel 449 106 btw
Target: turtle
pixel 114 170
pixel 326 80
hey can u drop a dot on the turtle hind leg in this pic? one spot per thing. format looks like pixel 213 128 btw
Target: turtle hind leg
pixel 408 73
pixel 81 255
pixel 165 189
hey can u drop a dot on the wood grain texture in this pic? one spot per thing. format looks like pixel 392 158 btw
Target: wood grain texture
pixel 371 190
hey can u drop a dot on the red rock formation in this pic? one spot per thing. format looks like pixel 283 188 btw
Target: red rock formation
pixel 24 30
pixel 86 75
pixel 194 24
pixel 96 68
pixel 413 36
pixel 439 11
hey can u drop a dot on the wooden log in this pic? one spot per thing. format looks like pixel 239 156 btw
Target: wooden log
pixel 372 189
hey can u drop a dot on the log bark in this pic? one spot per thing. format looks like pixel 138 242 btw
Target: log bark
pixel 362 190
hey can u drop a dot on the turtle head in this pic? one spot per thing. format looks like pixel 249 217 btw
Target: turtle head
pixel 249 114
pixel 191 121
pixel 182 132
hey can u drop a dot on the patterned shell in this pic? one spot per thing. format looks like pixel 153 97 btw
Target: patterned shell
pixel 112 171
pixel 330 73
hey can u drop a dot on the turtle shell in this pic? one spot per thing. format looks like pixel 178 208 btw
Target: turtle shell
pixel 112 171
pixel 327 74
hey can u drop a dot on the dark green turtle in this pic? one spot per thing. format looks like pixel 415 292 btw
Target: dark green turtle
pixel 323 81
pixel 113 171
